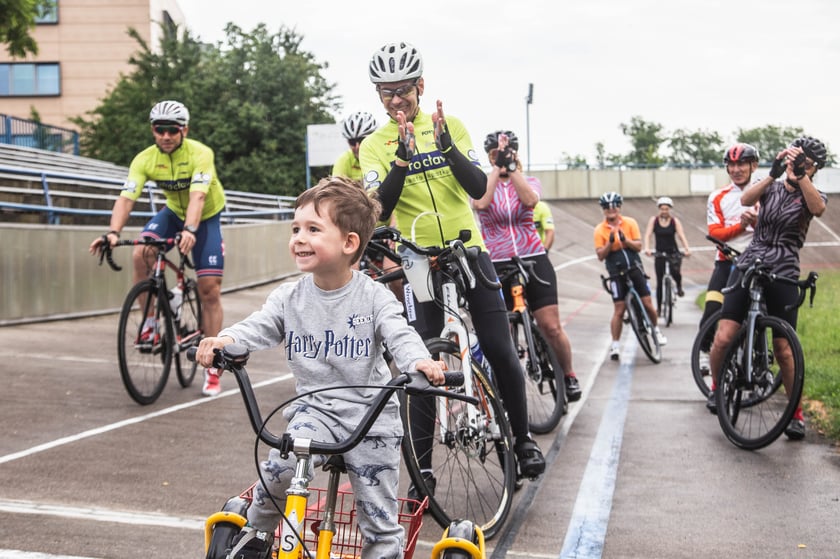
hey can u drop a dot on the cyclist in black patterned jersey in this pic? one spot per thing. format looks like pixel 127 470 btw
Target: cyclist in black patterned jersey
pixel 789 200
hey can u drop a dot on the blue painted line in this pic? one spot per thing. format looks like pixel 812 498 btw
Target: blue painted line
pixel 588 525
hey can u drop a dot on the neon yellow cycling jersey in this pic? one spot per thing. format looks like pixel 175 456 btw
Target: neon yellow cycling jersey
pixel 347 166
pixel 187 169
pixel 430 185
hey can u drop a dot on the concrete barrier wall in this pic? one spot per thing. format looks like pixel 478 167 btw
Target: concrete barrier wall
pixel 47 273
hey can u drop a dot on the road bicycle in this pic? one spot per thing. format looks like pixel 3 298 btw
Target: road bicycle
pixel 545 387
pixel 703 339
pixel 668 289
pixel 636 315
pixel 327 523
pixel 459 455
pixel 157 325
pixel 751 409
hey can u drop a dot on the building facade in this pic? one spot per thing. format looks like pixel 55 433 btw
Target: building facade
pixel 83 47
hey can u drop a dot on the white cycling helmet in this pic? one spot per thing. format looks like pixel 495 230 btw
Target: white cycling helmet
pixel 170 111
pixel 665 200
pixel 395 62
pixel 358 125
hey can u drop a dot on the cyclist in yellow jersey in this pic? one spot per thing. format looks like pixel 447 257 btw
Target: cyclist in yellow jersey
pixel 355 128
pixel 184 170
pixel 544 222
pixel 420 162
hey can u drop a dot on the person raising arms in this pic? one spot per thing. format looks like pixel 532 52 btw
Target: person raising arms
pixel 506 217
pixel 418 163
pixel 618 242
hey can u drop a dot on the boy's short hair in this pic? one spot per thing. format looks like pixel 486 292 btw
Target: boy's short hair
pixel 350 208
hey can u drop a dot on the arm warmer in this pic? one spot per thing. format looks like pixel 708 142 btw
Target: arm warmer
pixel 471 177
pixel 390 190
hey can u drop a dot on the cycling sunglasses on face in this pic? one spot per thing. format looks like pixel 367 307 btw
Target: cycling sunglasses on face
pixel 167 129
pixel 401 92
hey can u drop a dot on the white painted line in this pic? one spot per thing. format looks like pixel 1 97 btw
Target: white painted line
pixel 588 525
pixel 131 421
pixel 15 554
pixel 101 515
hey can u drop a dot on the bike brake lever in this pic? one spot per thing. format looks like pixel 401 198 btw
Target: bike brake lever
pixel 460 252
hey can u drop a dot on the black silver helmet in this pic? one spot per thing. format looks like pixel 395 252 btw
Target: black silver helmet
pixel 358 125
pixel 492 140
pixel 611 200
pixel 813 148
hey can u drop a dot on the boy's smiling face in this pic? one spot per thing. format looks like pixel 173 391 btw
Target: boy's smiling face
pixel 319 247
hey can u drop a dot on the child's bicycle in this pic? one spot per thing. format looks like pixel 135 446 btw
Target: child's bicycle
pixel 156 324
pixel 460 456
pixel 329 528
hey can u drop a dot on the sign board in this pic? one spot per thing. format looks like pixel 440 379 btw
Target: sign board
pixel 324 143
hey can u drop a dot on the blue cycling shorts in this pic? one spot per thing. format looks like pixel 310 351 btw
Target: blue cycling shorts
pixel 208 254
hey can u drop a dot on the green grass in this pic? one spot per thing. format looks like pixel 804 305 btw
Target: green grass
pixel 819 332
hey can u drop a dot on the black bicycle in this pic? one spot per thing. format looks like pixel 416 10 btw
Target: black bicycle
pixel 636 315
pixel 156 324
pixel 706 333
pixel 545 387
pixel 668 289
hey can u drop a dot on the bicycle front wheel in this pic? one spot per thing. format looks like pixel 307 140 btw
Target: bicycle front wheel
pixel 546 396
pixel 467 449
pixel 667 301
pixel 642 327
pixel 752 411
pixel 144 346
pixel 187 332
pixel 700 357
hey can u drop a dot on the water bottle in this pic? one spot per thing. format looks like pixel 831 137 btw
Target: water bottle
pixel 175 296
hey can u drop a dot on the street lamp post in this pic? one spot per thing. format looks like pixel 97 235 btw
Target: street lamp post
pixel 528 100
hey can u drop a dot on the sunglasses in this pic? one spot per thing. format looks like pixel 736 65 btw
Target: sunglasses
pixel 171 129
pixel 402 91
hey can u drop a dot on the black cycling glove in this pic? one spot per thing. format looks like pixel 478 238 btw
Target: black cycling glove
pixel 621 236
pixel 778 168
pixel 799 166
pixel 405 148
pixel 443 140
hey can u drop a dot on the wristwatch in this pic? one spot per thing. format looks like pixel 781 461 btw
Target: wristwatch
pixel 191 229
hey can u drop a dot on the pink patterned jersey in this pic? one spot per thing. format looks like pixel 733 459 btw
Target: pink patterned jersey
pixel 507 226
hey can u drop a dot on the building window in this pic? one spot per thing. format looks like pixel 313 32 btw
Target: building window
pixel 48 14
pixel 29 80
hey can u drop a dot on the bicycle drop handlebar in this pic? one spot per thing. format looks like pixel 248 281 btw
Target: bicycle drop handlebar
pixel 233 358
pixel 727 250
pixel 106 250
pixel 523 267
pixel 757 271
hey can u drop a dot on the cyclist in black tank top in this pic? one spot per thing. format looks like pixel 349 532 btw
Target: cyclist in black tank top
pixel 666 228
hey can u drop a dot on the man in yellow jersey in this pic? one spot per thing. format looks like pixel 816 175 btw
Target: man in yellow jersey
pixel 420 163
pixel 355 128
pixel 184 170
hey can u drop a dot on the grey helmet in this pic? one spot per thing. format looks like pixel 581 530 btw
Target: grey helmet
pixel 358 125
pixel 610 200
pixel 813 148
pixel 170 111
pixel 395 62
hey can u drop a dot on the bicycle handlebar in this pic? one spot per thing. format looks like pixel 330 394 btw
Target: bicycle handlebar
pixel 106 250
pixel 523 267
pixel 727 250
pixel 759 270
pixel 233 358
pixel 455 252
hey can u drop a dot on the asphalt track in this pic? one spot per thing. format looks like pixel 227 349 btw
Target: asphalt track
pixel 638 468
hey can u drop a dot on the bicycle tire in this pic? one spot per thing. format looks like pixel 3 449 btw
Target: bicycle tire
pixel 667 301
pixel 754 416
pixel 464 530
pixel 702 379
pixel 473 465
pixel 187 332
pixel 640 323
pixel 222 540
pixel 144 366
pixel 546 398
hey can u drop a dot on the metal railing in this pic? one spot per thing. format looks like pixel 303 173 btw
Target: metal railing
pixel 240 207
pixel 30 133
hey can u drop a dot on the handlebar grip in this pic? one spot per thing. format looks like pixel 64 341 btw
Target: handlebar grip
pixel 472 256
pixel 191 353
pixel 454 378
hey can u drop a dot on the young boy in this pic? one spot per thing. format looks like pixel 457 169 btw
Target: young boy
pixel 333 322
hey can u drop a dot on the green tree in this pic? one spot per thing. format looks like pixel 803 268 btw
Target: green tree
pixel 769 140
pixel 646 138
pixel 18 21
pixel 250 99
pixel 697 148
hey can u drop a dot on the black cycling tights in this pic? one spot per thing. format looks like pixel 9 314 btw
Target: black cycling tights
pixel 489 317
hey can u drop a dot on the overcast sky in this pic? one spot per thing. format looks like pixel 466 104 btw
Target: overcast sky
pixel 711 65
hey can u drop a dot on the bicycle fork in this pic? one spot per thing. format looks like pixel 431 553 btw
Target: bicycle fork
pixel 291 535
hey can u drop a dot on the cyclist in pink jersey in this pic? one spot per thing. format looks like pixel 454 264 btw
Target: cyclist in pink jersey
pixel 506 217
